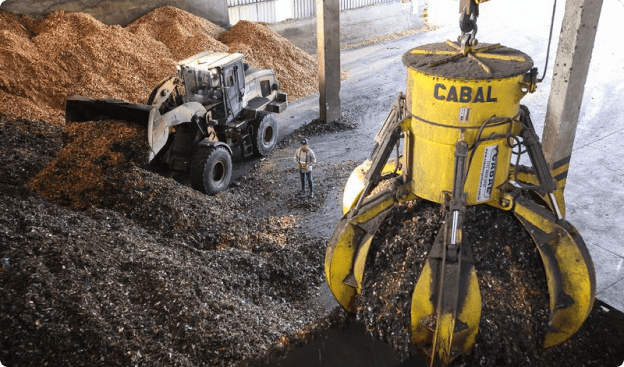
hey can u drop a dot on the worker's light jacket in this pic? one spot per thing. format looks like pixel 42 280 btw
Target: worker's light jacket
pixel 306 157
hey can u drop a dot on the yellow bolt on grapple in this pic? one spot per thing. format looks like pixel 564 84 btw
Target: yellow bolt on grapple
pixel 455 133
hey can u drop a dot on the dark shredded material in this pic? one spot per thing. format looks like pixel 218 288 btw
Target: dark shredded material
pixel 513 288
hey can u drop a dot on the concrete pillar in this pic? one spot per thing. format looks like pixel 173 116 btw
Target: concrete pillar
pixel 576 42
pixel 328 52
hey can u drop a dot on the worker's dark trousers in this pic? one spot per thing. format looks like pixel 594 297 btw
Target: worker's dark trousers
pixel 306 176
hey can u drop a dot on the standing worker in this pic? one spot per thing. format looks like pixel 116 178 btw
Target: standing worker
pixel 304 159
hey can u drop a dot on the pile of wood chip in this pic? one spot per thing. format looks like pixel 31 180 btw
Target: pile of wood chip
pixel 296 70
pixel 44 61
pixel 95 158
pixel 184 34
pixel 73 53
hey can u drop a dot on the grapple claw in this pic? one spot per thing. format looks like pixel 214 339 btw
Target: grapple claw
pixel 445 317
pixel 446 303
pixel 349 244
pixel 569 268
pixel 461 128
pixel 364 212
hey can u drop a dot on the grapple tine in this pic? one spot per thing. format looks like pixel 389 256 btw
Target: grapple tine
pixel 446 303
pixel 349 244
pixel 569 269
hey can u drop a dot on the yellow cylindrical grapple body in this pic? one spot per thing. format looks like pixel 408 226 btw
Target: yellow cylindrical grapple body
pixel 450 99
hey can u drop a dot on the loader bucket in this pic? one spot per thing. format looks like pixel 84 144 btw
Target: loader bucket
pixel 81 109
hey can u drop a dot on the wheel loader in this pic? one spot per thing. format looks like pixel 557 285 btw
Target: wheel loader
pixel 459 134
pixel 215 106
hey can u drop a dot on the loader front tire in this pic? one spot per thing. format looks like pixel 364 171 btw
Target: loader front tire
pixel 211 169
pixel 265 134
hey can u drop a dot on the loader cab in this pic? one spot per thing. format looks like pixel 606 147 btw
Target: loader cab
pixel 234 88
pixel 262 91
pixel 217 81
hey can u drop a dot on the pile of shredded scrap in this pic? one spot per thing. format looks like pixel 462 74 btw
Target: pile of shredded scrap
pixel 512 282
pixel 106 263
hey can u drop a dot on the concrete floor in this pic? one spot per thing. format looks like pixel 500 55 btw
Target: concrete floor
pixel 594 194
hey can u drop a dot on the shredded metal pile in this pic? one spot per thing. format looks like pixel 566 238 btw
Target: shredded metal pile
pixel 296 70
pixel 123 266
pixel 512 282
pixel 153 272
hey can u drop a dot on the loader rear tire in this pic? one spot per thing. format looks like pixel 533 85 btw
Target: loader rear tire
pixel 211 169
pixel 265 134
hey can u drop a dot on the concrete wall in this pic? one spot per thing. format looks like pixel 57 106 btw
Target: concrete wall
pixel 357 25
pixel 120 12
pixel 283 10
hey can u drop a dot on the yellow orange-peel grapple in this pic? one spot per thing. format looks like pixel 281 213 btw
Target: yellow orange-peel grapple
pixel 455 133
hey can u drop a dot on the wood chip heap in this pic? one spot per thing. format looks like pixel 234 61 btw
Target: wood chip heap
pixel 296 70
pixel 183 33
pixel 96 157
pixel 44 61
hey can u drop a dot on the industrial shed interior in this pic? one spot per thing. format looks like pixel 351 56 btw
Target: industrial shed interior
pixel 467 186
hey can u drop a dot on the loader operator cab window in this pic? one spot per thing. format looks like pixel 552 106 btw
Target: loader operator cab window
pixel 229 78
pixel 189 79
pixel 265 88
